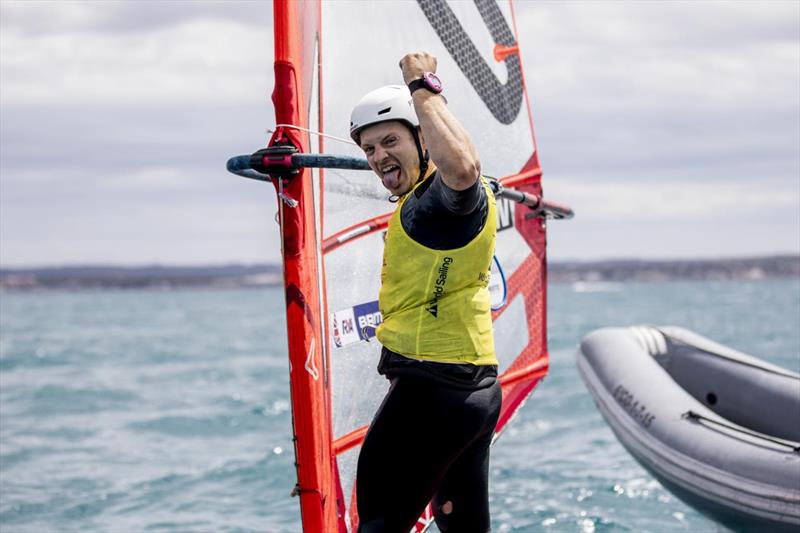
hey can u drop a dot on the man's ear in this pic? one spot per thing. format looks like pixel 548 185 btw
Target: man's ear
pixel 421 139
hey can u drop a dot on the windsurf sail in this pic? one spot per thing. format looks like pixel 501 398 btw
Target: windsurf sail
pixel 332 220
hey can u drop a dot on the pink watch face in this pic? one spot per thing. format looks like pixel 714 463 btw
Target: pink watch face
pixel 432 82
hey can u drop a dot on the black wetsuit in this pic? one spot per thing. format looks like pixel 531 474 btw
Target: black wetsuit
pixel 430 438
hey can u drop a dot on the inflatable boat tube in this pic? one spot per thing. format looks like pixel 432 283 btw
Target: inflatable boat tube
pixel 718 428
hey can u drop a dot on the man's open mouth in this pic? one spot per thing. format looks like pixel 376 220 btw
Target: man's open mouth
pixel 391 176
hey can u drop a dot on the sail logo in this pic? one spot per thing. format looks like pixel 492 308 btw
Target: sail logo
pixel 505 214
pixel 504 100
pixel 347 326
pixel 372 319
pixel 354 324
pixel 337 337
pixel 498 290
pixel 438 287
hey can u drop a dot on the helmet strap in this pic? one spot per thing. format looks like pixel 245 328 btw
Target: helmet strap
pixel 424 157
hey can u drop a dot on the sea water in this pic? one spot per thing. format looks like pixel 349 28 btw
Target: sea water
pixel 169 411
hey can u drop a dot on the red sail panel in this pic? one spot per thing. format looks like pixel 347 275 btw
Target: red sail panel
pixel 296 36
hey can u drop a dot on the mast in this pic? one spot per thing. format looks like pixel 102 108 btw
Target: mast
pixel 304 311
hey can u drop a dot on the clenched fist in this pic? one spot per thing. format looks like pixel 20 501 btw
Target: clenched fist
pixel 414 65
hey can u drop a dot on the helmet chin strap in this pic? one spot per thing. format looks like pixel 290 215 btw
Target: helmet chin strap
pixel 424 157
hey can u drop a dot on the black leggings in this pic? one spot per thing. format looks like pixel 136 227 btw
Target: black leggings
pixel 428 442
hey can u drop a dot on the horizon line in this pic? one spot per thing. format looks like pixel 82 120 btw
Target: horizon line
pixel 793 254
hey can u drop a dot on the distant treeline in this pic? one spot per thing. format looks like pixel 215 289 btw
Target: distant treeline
pixel 784 266
pixel 155 277
pixel 167 277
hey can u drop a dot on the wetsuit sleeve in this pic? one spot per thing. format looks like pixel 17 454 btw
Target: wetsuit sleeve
pixel 457 202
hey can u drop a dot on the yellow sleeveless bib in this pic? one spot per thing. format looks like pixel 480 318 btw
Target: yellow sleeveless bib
pixel 435 303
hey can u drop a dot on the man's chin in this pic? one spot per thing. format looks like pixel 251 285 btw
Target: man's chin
pixel 399 191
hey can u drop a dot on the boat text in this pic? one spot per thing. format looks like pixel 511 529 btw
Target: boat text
pixel 637 411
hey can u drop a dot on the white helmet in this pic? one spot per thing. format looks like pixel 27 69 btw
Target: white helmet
pixel 391 102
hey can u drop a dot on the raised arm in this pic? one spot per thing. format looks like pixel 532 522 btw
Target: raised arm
pixel 448 144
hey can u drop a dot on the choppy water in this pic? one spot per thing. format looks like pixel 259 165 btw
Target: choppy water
pixel 168 411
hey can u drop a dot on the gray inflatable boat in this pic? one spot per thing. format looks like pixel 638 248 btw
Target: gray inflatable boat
pixel 720 429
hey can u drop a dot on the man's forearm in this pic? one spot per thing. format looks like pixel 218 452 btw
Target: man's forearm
pixel 449 145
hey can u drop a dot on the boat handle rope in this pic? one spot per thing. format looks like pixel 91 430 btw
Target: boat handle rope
pixel 697 417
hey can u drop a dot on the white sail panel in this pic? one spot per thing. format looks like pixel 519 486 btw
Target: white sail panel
pixel 362 44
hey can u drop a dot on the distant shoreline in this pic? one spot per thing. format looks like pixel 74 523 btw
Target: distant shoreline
pixel 751 268
pixel 241 276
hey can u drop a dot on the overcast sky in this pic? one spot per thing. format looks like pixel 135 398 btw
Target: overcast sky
pixel 672 128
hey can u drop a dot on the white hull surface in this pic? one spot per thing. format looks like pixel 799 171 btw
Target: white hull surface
pixel 720 429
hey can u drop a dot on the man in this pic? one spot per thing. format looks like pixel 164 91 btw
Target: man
pixel 438 348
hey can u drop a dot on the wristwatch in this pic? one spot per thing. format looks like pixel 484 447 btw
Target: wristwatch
pixel 429 81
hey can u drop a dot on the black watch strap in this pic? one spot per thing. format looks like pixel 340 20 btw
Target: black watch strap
pixel 417 84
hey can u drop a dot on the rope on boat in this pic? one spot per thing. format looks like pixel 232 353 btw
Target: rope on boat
pixel 700 418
